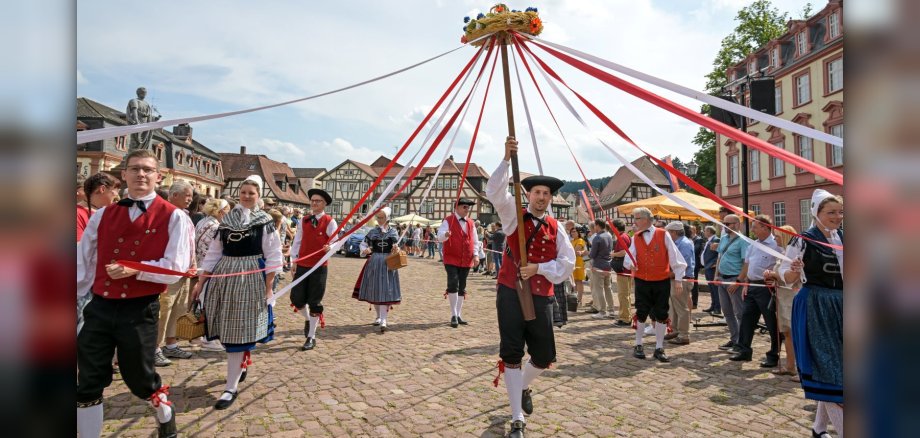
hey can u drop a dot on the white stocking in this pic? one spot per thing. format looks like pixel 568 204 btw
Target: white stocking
pixel 530 373
pixel 314 323
pixel 383 309
pixel 820 418
pixel 304 312
pixel 459 305
pixel 659 334
pixel 164 411
pixel 835 412
pixel 89 421
pixel 640 332
pixel 452 298
pixel 514 384
pixel 234 371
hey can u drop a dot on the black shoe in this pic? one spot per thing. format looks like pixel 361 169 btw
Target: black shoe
pixel 769 363
pixel 224 404
pixel 735 349
pixel 741 357
pixel 453 322
pixel 309 345
pixel 708 310
pixel 716 313
pixel 820 435
pixel 638 352
pixel 659 354
pixel 621 323
pixel 727 346
pixel 592 310
pixel 306 327
pixel 517 429
pixel 243 376
pixel 527 401
pixel 461 321
pixel 168 429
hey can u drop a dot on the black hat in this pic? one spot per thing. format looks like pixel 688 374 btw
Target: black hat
pixel 554 184
pixel 320 192
pixel 465 201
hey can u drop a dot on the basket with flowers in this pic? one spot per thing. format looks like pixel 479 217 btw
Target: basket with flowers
pixel 499 18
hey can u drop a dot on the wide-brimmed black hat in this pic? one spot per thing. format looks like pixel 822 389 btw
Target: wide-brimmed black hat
pixel 554 184
pixel 465 201
pixel 320 192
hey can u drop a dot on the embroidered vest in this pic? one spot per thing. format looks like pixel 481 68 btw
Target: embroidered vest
pixel 652 257
pixel 541 249
pixel 313 239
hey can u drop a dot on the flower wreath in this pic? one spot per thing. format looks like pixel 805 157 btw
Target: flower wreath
pixel 500 18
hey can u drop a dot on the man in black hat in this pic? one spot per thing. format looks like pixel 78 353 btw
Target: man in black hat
pixel 461 248
pixel 311 242
pixel 550 260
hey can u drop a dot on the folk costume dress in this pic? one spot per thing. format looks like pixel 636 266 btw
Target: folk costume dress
pixel 377 284
pixel 235 307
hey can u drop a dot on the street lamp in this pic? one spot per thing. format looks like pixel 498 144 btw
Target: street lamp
pixel 692 168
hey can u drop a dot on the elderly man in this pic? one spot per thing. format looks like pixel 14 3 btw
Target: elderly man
pixel 461 248
pixel 758 298
pixel 680 305
pixel 311 242
pixel 174 303
pixel 550 260
pixel 732 249
pixel 658 262
pixel 123 313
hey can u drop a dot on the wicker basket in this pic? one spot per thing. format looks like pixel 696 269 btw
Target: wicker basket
pixel 397 260
pixel 191 325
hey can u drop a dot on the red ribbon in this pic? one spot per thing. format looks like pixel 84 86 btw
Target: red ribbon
pixel 322 321
pixel 501 370
pixel 247 360
pixel 155 399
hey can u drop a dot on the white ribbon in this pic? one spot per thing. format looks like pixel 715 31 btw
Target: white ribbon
pixel 533 136
pixel 654 186
pixel 92 135
pixel 700 96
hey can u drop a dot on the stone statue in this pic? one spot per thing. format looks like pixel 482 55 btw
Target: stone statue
pixel 139 112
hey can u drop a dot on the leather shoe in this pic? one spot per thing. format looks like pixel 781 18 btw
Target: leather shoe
pixel 527 401
pixel 679 341
pixel 517 429
pixel 638 352
pixel 306 328
pixel 243 376
pixel 741 357
pixel 309 345
pixel 769 363
pixel 659 354
pixel 670 336
pixel 727 346
pixel 453 322
pixel 224 404
pixel 168 429
pixel 621 323
pixel 461 321
pixel 820 435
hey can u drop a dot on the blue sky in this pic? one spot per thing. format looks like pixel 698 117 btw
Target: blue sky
pixel 207 56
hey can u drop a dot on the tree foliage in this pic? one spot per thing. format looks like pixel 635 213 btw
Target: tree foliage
pixel 757 24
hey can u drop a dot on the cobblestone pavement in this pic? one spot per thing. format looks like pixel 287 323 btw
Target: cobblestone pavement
pixel 423 378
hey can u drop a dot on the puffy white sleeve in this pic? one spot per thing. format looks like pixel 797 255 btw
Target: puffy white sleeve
pixel 86 254
pixel 502 201
pixel 178 255
pixel 442 230
pixel 271 250
pixel 560 269
pixel 794 250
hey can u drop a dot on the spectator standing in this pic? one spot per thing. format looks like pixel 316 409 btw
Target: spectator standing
pixel 601 279
pixel 624 282
pixel 679 303
pixel 732 249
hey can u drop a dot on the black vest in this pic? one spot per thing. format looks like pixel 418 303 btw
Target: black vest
pixel 821 266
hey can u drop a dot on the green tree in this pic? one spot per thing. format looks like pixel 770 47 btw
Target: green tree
pixel 757 25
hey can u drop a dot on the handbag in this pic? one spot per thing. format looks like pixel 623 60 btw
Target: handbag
pixel 191 325
pixel 397 260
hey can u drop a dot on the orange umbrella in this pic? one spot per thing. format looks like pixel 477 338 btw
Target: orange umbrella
pixel 665 208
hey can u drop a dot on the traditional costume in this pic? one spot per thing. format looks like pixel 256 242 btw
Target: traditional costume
pixel 235 307
pixel 461 250
pixel 548 246
pixel 123 313
pixel 377 284
pixel 312 235
pixel 657 258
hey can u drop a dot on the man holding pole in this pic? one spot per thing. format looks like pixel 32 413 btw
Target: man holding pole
pixel 549 259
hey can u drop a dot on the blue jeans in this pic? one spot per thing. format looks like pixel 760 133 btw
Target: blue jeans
pixel 713 290
pixel 431 249
pixel 497 259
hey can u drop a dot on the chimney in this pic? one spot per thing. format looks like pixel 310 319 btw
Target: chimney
pixel 242 150
pixel 451 158
pixel 183 131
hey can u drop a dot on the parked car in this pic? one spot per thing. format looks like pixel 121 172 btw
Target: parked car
pixel 352 246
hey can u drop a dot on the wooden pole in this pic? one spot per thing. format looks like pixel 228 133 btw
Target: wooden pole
pixel 523 286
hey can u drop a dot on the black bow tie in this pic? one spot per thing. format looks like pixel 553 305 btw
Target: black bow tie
pixel 530 215
pixel 128 202
pixel 314 220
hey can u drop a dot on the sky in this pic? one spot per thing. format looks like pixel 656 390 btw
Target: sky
pixel 206 57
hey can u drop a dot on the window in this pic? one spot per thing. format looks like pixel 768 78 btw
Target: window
pixel 440 183
pixel 252 166
pixel 801 43
pixel 833 25
pixel 779 214
pixel 777 168
pixel 804 213
pixel 454 182
pixel 836 151
pixel 802 89
pixel 365 187
pixel 281 185
pixel 774 57
pixel 805 150
pixel 330 186
pixel 752 68
pixel 733 170
pixel 635 192
pixel 756 209
pixel 834 75
pixel 778 98
pixel 754 165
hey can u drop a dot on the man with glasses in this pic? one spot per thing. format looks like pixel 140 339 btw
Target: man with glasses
pixel 461 252
pixel 732 249
pixel 658 262
pixel 124 311
pixel 311 242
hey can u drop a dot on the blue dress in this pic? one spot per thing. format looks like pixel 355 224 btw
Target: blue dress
pixel 377 284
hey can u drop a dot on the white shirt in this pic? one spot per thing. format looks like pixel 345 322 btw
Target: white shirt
pixel 797 249
pixel 444 228
pixel 177 257
pixel 271 249
pixel 705 246
pixel 677 262
pixel 557 270
pixel 758 260
pixel 298 235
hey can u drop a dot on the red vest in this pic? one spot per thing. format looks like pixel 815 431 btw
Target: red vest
pixel 652 257
pixel 541 249
pixel 142 240
pixel 312 239
pixel 458 249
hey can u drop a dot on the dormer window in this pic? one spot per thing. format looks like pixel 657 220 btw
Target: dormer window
pixel 833 25
pixel 801 42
